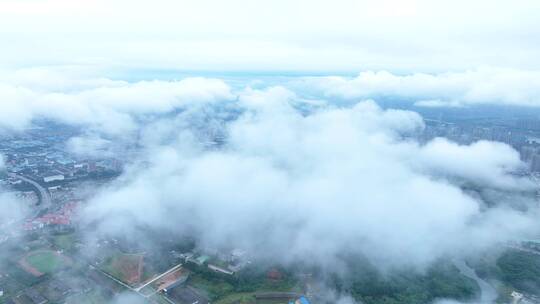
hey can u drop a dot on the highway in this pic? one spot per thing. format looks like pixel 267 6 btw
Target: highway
pixel 158 277
pixel 137 290
pixel 45 201
pixel 112 278
pixel 45 197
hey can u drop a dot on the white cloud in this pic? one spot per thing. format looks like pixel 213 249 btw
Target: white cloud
pixel 451 89
pixel 109 106
pixel 13 209
pixel 437 103
pixel 332 179
pixel 315 185
pixel 484 162
pixel 89 146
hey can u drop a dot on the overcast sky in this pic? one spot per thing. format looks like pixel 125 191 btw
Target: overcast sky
pixel 336 36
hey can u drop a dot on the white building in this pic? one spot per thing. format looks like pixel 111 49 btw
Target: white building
pixel 52 178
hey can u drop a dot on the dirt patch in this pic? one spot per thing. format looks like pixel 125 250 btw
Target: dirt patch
pixel 126 267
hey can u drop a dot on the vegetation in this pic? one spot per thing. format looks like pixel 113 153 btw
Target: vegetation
pixel 216 288
pixel 253 278
pixel 239 287
pixel 237 298
pixel 369 286
pixel 514 269
pixel 363 281
pixel 46 261
pixel 64 241
pixel 520 270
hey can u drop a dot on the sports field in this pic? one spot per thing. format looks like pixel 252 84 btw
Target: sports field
pixel 43 261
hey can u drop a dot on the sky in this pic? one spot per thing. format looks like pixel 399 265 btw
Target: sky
pixel 341 36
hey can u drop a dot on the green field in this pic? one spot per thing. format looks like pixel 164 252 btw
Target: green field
pixel 237 298
pixel 247 298
pixel 46 261
pixel 65 241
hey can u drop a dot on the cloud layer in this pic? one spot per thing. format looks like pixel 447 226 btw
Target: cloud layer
pixel 474 87
pixel 109 106
pixel 337 179
pixel 293 173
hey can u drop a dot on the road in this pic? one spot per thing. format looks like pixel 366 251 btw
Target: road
pixel 158 277
pixel 112 278
pixel 46 200
pixel 137 290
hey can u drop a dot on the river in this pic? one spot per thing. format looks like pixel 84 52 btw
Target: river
pixel 488 293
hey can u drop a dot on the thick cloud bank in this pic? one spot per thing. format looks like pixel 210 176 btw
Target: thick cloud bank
pixel 12 208
pixel 108 106
pixel 293 175
pixel 473 87
pixel 339 179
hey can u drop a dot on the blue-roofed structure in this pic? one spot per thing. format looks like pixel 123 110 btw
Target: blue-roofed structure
pixel 301 300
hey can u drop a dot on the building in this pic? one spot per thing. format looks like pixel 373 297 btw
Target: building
pixel 52 178
pixel 535 163
pixel 220 269
pixel 301 300
pixel 172 280
pixel 528 152
pixel 201 260
pixel 92 166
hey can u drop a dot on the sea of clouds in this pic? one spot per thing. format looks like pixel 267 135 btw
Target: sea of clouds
pixel 295 174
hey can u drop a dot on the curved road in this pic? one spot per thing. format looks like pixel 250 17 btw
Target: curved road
pixel 45 201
